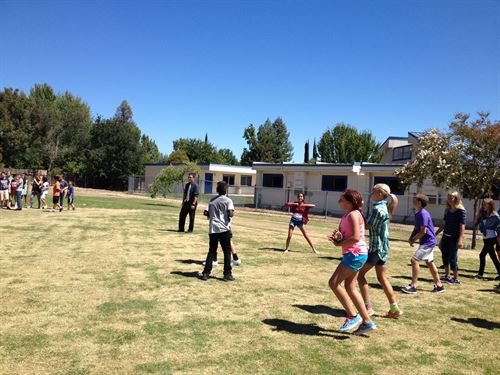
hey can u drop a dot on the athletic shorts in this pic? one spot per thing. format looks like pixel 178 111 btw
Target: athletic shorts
pixel 424 253
pixel 296 222
pixel 374 260
pixel 4 195
pixel 70 200
pixel 55 200
pixel 354 262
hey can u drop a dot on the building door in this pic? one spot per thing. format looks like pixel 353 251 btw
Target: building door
pixel 208 182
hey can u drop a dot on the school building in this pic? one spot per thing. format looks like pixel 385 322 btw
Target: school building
pixel 322 183
pixel 241 179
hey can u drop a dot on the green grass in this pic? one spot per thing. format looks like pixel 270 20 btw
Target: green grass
pixel 112 288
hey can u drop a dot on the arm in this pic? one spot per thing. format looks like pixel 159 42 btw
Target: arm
pixel 309 205
pixel 354 223
pixel 415 237
pixel 291 204
pixel 441 227
pixel 230 213
pixel 461 235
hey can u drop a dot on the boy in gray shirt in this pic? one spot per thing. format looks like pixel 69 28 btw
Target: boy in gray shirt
pixel 220 211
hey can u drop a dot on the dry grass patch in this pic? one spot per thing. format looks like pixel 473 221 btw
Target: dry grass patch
pixel 112 288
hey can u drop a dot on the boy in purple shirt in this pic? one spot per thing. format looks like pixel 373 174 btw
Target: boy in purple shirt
pixel 424 233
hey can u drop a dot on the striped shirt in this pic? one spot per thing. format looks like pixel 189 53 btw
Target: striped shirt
pixel 379 230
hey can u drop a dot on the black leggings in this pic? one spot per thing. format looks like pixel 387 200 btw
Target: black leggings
pixel 489 248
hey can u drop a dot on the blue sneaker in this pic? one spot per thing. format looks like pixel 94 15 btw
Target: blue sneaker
pixel 365 327
pixel 351 323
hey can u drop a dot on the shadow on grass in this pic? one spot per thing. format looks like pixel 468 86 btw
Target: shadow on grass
pixel 170 230
pixel 409 278
pixel 497 291
pixel 159 204
pixel 272 249
pixel 322 309
pixel 193 274
pixel 302 328
pixel 330 258
pixel 478 322
pixel 190 261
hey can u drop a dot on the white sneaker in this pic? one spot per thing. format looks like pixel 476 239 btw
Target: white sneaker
pixel 236 262
pixel 214 263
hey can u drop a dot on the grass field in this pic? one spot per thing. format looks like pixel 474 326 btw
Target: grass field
pixel 111 288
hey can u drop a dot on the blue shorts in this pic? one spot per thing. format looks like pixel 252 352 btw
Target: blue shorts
pixel 296 223
pixel 354 262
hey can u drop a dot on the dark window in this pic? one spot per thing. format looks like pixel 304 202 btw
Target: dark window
pixel 246 181
pixel 229 178
pixel 401 153
pixel 272 180
pixel 393 182
pixel 333 183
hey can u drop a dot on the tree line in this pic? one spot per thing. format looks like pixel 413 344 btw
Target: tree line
pixel 43 129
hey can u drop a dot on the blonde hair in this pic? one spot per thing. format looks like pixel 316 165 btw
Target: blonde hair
pixel 491 208
pixel 458 201
pixel 386 192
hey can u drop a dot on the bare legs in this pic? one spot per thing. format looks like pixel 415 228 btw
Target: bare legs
pixel 304 233
pixel 382 278
pixel 349 276
pixel 415 268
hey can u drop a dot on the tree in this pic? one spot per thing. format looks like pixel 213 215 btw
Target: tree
pixel 306 152
pixel 150 152
pixel 344 144
pixel 226 156
pixel 178 157
pixel 269 144
pixel 315 151
pixel 168 177
pixel 466 157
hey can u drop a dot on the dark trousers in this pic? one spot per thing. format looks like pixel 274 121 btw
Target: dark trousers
pixel 225 242
pixel 449 252
pixel 35 193
pixel 61 199
pixel 185 210
pixel 489 248
pixel 19 199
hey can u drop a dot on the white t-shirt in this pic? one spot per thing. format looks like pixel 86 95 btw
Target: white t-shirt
pixel 218 208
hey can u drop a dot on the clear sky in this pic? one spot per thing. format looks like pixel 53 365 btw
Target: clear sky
pixel 193 67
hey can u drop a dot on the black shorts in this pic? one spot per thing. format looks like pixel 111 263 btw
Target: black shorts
pixel 374 260
pixel 55 200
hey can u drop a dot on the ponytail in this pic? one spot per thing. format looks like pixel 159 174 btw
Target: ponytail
pixel 386 191
pixel 392 204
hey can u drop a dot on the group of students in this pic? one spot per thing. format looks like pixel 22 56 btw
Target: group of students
pixel 14 191
pixel 358 257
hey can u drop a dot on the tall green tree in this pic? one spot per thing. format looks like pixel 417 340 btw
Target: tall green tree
pixel 344 144
pixel 306 152
pixel 270 143
pixel 150 151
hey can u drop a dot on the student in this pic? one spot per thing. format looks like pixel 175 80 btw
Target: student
pixel 424 233
pixel 56 193
pixel 236 260
pixel 71 196
pixel 44 192
pixel 453 228
pixel 19 192
pixel 220 211
pixel 13 190
pixel 36 190
pixel 4 190
pixel 64 189
pixel 351 237
pixel 25 189
pixel 489 225
pixel 378 251
pixel 299 218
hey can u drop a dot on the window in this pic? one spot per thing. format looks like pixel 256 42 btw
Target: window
pixel 333 183
pixel 393 182
pixel 229 178
pixel 401 153
pixel 246 181
pixel 272 180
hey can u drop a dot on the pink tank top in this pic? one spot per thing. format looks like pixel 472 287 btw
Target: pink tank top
pixel 346 230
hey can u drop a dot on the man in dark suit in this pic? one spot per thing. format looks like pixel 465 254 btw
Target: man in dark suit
pixel 189 203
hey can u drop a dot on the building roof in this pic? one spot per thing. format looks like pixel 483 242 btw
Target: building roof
pixel 213 167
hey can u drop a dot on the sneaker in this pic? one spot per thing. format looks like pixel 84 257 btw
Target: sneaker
pixel 214 263
pixel 454 281
pixel 409 289
pixel 438 289
pixel 351 323
pixel 365 327
pixel 204 276
pixel 315 251
pixel 497 278
pixel 394 314
pixel 228 278
pixel 446 279
pixel 369 310
pixel 236 262
pixel 478 277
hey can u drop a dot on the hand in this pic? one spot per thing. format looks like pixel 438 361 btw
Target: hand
pixel 460 243
pixel 411 242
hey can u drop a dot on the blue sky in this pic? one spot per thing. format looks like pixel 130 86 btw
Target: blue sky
pixel 188 68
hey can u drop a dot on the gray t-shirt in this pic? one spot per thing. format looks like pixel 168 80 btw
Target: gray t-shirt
pixel 218 208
